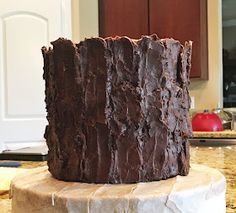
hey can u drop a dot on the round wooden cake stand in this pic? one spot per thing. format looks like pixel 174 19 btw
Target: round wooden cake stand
pixel 202 191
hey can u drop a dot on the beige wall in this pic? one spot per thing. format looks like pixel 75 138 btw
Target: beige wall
pixel 207 94
pixel 84 19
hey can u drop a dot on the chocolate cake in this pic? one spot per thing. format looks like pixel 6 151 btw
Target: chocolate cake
pixel 117 109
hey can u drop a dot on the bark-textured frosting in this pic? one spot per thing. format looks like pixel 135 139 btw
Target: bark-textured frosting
pixel 117 109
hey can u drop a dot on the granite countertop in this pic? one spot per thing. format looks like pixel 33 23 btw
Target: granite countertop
pixel 220 134
pixel 221 158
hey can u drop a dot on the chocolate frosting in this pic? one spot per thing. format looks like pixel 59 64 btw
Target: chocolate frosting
pixel 117 109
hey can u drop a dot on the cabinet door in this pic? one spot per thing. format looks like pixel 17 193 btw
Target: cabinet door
pixel 123 17
pixel 183 20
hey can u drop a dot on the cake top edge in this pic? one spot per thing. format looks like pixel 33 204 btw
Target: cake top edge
pixel 153 37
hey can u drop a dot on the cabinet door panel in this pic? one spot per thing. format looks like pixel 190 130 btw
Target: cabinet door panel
pixel 183 20
pixel 123 17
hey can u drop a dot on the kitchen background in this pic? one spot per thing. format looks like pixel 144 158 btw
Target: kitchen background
pixel 83 22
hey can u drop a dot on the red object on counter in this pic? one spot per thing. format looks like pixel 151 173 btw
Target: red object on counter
pixel 206 122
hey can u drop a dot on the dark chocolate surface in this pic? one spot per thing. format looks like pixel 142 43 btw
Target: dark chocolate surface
pixel 117 109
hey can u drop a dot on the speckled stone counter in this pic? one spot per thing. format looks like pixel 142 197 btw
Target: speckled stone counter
pixel 220 134
pixel 222 158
